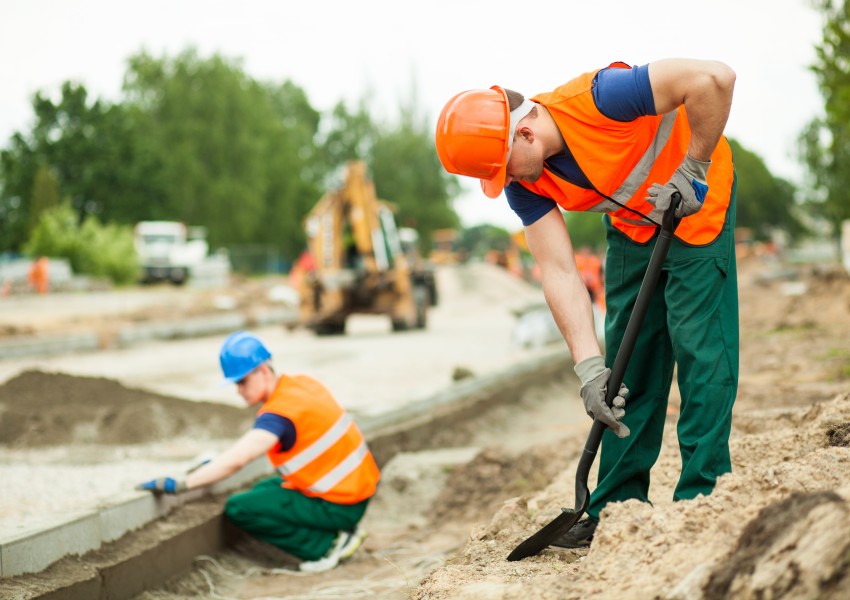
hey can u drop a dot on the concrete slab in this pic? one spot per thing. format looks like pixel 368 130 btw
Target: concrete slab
pixel 31 551
pixel 48 345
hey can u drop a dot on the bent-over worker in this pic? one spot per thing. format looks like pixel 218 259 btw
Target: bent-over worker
pixel 621 141
pixel 326 473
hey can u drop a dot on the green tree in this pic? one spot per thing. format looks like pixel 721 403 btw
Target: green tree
pixel 477 240
pixel 826 140
pixel 294 170
pixel 240 157
pixel 45 195
pixel 91 247
pixel 408 173
pixel 89 150
pixel 586 229
pixel 197 140
pixel 765 202
pixel 18 166
pixel 347 135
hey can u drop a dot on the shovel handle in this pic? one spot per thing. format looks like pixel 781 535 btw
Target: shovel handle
pixel 669 223
pixel 562 523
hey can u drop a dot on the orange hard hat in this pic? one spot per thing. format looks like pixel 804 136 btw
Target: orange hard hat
pixel 472 137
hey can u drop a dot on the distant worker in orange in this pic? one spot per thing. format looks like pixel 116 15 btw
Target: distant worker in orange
pixel 37 276
pixel 590 269
pixel 305 264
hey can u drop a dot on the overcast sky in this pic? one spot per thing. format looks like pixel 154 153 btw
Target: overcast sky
pixel 342 50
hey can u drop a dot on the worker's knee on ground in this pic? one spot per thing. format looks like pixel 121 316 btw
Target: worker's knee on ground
pixel 234 511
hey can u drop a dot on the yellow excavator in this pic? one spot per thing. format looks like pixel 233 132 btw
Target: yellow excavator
pixel 358 262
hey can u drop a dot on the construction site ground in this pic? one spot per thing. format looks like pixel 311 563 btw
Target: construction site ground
pixel 448 513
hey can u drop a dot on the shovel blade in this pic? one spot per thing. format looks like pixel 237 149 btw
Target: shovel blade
pixel 548 534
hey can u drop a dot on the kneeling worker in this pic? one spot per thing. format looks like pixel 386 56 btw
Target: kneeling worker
pixel 326 473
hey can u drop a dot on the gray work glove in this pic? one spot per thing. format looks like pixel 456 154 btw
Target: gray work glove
pixel 690 181
pixel 594 384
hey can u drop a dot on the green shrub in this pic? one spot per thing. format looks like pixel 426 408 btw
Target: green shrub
pixel 92 248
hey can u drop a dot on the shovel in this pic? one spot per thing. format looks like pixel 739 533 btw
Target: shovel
pixel 563 522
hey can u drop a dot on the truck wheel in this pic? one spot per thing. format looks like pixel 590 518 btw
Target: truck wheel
pixel 329 328
pixel 421 299
pixel 433 297
pixel 177 276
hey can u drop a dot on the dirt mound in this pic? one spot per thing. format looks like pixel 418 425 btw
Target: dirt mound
pixel 39 409
pixel 774 527
pixel 481 484
pixel 769 536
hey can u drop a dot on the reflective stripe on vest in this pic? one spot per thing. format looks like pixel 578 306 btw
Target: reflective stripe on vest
pixel 622 159
pixel 317 448
pixel 330 458
pixel 638 175
pixel 341 471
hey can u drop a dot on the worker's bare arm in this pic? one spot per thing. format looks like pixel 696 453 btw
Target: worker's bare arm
pixel 249 447
pixel 566 294
pixel 705 88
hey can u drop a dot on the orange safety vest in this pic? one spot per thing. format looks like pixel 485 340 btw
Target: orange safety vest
pixel 621 159
pixel 330 458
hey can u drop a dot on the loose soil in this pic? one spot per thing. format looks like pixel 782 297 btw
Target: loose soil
pixel 445 519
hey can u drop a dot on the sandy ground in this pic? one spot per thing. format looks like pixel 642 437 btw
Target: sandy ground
pixel 776 527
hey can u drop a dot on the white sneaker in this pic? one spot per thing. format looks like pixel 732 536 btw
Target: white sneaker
pixel 354 539
pixel 344 547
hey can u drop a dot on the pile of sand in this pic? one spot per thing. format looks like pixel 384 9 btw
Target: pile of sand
pixel 40 409
pixel 774 527
pixel 71 444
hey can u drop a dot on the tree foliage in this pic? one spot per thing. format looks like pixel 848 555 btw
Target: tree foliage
pixel 86 148
pixel 765 202
pixel 231 148
pixel 45 195
pixel 197 140
pixel 91 247
pixel 408 173
pixel 477 240
pixel 826 139
pixel 586 229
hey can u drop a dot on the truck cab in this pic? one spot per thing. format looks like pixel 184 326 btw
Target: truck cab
pixel 168 250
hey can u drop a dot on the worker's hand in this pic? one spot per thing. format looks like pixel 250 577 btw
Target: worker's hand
pixel 163 485
pixel 690 181
pixel 594 384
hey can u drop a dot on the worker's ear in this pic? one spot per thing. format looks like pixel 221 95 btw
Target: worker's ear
pixel 525 132
pixel 265 370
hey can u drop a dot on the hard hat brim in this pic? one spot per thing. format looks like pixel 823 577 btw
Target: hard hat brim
pixel 493 187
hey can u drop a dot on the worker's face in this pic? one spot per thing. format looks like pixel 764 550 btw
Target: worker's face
pixel 253 387
pixel 523 163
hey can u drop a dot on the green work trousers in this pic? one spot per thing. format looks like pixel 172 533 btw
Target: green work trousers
pixel 692 322
pixel 303 526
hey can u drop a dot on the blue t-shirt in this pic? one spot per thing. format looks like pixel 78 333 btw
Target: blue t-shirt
pixel 282 427
pixel 619 94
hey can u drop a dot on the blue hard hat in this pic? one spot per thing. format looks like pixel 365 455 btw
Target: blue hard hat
pixel 241 353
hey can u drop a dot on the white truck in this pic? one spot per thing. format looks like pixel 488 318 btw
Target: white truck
pixel 168 250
